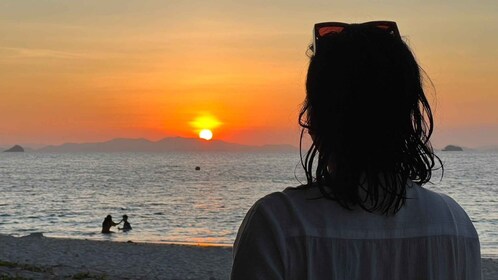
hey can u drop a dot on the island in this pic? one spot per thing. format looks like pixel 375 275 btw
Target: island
pixel 452 148
pixel 16 148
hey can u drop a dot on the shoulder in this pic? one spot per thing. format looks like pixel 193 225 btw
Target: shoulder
pixel 281 202
pixel 287 209
pixel 272 213
pixel 441 208
pixel 437 201
pixel 275 206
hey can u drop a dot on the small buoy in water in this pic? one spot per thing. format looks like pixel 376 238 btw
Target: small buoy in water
pixel 197 168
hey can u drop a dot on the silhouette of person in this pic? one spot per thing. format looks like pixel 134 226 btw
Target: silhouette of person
pixel 363 212
pixel 107 224
pixel 126 224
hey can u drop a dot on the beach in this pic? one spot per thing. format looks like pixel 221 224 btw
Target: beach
pixel 38 257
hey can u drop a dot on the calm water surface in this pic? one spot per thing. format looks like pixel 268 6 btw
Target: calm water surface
pixel 167 200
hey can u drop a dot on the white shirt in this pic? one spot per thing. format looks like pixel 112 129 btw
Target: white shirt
pixel 293 235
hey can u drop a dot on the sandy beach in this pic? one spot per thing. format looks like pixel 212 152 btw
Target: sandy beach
pixel 38 257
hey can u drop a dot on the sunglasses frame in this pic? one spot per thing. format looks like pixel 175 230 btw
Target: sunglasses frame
pixel 390 26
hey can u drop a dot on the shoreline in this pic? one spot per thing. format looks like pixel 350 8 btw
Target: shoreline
pixel 38 257
pixel 179 243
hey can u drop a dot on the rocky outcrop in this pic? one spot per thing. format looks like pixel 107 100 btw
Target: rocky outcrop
pixel 16 148
pixel 451 148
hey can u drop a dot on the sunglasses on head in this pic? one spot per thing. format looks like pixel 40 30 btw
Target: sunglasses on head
pixel 325 29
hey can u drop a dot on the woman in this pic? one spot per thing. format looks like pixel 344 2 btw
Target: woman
pixel 107 224
pixel 363 213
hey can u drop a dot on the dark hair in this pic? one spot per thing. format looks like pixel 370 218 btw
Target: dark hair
pixel 369 119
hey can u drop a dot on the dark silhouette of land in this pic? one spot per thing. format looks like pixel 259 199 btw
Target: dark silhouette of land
pixel 452 148
pixel 171 144
pixel 181 144
pixel 15 149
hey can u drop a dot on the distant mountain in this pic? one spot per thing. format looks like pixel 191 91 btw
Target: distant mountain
pixel 171 144
pixel 15 149
pixel 26 149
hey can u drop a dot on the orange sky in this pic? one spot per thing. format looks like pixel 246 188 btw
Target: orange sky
pixel 78 71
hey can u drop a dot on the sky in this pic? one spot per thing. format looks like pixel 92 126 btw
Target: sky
pixel 88 71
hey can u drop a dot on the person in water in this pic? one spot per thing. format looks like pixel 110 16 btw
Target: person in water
pixel 107 224
pixel 363 212
pixel 126 224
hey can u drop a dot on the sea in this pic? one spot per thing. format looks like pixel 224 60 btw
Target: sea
pixel 190 198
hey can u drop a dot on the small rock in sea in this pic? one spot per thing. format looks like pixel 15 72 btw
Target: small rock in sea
pixel 451 148
pixel 197 168
pixel 16 148
pixel 35 235
pixel 129 241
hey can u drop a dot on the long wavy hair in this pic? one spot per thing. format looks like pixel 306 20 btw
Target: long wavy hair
pixel 369 119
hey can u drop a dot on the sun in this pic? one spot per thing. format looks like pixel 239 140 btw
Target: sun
pixel 204 124
pixel 206 134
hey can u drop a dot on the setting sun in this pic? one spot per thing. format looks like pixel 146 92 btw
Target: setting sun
pixel 206 134
pixel 204 124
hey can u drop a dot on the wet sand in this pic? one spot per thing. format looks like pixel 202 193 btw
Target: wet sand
pixel 37 257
